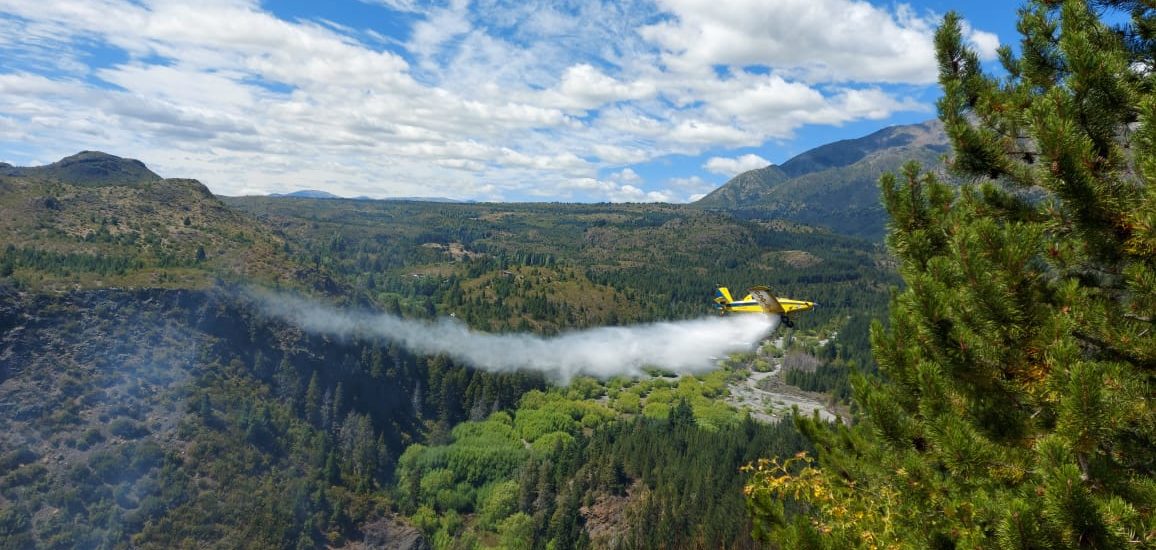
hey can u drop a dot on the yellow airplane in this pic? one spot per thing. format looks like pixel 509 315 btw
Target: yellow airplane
pixel 760 300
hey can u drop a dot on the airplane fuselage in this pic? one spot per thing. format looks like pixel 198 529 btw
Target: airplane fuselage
pixel 760 300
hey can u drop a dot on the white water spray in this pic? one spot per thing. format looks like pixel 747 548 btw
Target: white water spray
pixel 689 347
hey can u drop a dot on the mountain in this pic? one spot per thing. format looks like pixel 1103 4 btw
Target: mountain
pixel 89 169
pixel 426 199
pixel 834 185
pixel 98 220
pixel 745 188
pixel 307 194
pixel 316 194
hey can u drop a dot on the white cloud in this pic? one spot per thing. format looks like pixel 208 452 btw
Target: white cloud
pixel 696 186
pixel 613 154
pixel 630 193
pixel 439 27
pixel 986 44
pixel 396 5
pixel 691 183
pixel 735 166
pixel 615 189
pixel 490 99
pixel 627 175
pixel 585 87
pixel 703 132
pixel 819 40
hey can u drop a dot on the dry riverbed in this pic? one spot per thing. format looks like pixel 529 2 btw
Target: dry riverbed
pixel 769 398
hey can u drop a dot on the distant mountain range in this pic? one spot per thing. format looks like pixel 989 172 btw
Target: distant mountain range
pixel 315 194
pixel 834 185
pixel 308 194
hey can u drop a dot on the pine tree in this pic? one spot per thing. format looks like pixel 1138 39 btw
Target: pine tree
pixel 313 400
pixel 1015 408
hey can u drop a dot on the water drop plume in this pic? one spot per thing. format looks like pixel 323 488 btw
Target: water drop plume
pixel 684 347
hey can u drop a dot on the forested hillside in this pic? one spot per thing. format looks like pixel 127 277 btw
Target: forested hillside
pixel 559 265
pixel 161 417
pixel 150 402
pixel 183 370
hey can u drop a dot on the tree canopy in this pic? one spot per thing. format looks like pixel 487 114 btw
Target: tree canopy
pixel 1014 407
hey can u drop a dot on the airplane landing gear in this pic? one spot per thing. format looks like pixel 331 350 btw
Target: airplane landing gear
pixel 787 321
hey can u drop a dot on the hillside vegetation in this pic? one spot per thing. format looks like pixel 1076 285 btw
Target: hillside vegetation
pixel 98 221
pixel 553 266
pixel 149 403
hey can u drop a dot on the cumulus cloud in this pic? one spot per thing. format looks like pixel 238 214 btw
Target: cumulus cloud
pixel 818 40
pixel 735 166
pixel 986 44
pixel 584 87
pixel 498 100
pixel 693 187
pixel 613 189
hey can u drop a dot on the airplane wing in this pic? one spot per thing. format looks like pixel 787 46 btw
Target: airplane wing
pixel 770 304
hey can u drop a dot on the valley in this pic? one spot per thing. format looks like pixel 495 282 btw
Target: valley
pixel 514 332
pixel 149 401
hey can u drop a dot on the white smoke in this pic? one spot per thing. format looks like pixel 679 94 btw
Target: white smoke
pixel 690 347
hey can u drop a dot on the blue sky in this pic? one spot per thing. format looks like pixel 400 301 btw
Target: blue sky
pixel 484 100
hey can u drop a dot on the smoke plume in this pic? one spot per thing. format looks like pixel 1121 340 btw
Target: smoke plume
pixel 690 346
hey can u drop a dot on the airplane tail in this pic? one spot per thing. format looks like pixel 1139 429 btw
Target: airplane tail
pixel 722 299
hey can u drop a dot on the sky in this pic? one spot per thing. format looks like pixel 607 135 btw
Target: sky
pixel 485 100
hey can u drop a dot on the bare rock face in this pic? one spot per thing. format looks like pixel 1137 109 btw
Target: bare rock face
pixel 390 534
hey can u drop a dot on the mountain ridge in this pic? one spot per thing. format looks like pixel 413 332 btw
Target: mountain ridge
pixel 89 169
pixel 94 220
pixel 318 194
pixel 833 185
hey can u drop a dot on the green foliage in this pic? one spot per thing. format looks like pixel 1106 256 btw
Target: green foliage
pixel 548 267
pixel 501 503
pixel 1015 408
pixel 656 410
pixel 628 403
pixel 426 520
pixel 551 442
pixel 534 423
pixel 832 378
pixel 517 532
pixel 64 264
pixel 666 464
pixel 127 428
